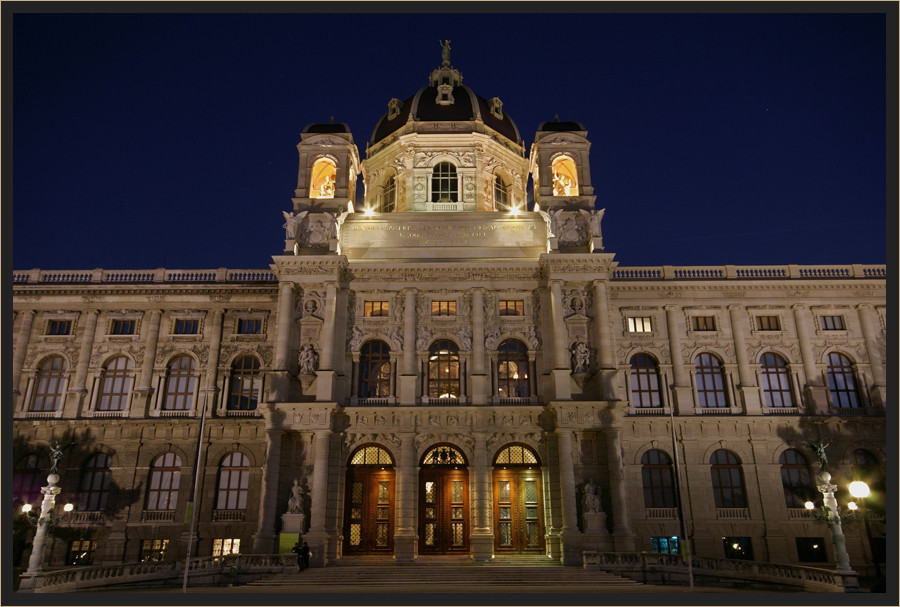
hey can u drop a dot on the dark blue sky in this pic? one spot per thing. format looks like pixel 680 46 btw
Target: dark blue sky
pixel 158 140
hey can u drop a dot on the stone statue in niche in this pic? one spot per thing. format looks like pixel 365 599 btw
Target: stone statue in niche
pixel 581 357
pixel 308 360
pixel 562 184
pixel 590 500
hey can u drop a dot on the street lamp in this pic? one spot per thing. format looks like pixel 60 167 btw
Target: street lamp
pixel 860 491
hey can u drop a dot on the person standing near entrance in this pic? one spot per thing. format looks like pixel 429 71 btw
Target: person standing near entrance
pixel 303 556
pixel 298 551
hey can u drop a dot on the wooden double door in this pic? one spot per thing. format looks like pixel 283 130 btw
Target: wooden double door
pixel 443 510
pixel 518 512
pixel 369 511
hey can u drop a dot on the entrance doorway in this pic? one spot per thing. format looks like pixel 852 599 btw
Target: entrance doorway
pixel 518 510
pixel 369 502
pixel 443 502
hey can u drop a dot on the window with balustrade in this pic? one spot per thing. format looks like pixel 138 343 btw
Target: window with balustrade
pixel 796 479
pixel 444 183
pixel 180 384
pixel 162 488
pixel 246 380
pixel 512 369
pixel 115 385
pixel 48 385
pixel 96 477
pixel 374 370
pixel 775 381
pixel 842 382
pixel 658 481
pixel 645 385
pixel 234 482
pixel 710 379
pixel 443 370
pixel 727 480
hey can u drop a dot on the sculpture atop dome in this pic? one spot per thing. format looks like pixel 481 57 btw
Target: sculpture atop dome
pixel 445 51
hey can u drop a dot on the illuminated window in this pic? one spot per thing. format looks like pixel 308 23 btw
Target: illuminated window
pixel 153 550
pixel 245 383
pixel 659 484
pixel 738 548
pixel 81 552
pixel 832 323
pixel 512 370
pixel 665 545
pixel 59 327
pixel 186 327
pixel 644 382
pixel 374 370
pixel 324 175
pixel 443 308
pixel 443 370
pixel 796 479
pixel 389 195
pixel 249 326
pixel 444 184
pixel 703 323
pixel 234 482
pixel 226 546
pixel 768 323
pixel 842 382
pixel 811 550
pixel 376 308
pixel 775 381
pixel 95 481
pixel 165 476
pixel 516 455
pixel 565 177
pixel 501 194
pixel 727 480
pixel 443 455
pixel 371 456
pixel 512 307
pixel 710 382
pixel 180 381
pixel 48 385
pixel 115 385
pixel 122 327
pixel 639 324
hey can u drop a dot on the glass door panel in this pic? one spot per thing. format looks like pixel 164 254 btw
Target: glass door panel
pixel 517 511
pixel 369 512
pixel 443 511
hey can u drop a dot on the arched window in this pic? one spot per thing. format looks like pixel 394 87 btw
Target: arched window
pixel 165 475
pixel 48 386
pixel 443 370
pixel 644 382
pixel 565 177
pixel 444 184
pixel 501 194
pixel 516 455
pixel 95 479
pixel 775 381
pixel 371 455
pixel 245 382
pixel 710 382
pixel 512 369
pixel 796 479
pixel 659 485
pixel 727 480
pixel 179 395
pixel 27 480
pixel 389 195
pixel 444 455
pixel 115 385
pixel 842 382
pixel 324 175
pixel 234 482
pixel 374 370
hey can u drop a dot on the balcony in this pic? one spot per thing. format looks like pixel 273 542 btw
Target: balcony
pixel 661 513
pixel 732 513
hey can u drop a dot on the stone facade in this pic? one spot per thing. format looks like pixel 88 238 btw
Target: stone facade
pixel 510 337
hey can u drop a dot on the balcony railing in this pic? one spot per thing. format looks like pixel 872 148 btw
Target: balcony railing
pixel 660 513
pixel 799 514
pixel 158 275
pixel 729 272
pixel 161 516
pixel 732 513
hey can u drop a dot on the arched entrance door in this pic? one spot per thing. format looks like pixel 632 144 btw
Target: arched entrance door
pixel 369 502
pixel 443 502
pixel 518 509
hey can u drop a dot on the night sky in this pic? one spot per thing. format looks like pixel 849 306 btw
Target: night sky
pixel 169 140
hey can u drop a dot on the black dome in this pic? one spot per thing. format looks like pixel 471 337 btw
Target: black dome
pixel 556 125
pixel 327 128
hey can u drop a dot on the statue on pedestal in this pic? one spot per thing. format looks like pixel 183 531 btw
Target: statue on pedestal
pixel 590 501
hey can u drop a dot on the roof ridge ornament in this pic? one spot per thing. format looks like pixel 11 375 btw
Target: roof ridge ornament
pixel 445 52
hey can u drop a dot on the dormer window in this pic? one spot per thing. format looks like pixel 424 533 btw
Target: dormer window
pixel 444 184
pixel 394 106
pixel 324 175
pixel 445 94
pixel 565 177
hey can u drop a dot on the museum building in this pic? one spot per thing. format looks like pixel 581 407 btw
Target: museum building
pixel 444 368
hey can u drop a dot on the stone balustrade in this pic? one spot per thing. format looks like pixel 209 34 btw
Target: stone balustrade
pixel 159 275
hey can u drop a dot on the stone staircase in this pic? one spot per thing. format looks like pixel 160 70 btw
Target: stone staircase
pixel 445 574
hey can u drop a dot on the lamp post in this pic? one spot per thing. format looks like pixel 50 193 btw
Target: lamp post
pixel 860 491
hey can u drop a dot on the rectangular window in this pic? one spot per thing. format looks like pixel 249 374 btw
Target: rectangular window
pixel 768 323
pixel 81 552
pixel 665 545
pixel 153 550
pixel 443 308
pixel 59 327
pixel 811 550
pixel 376 308
pixel 122 327
pixel 704 323
pixel 832 323
pixel 223 547
pixel 249 326
pixel 738 548
pixel 639 324
pixel 512 307
pixel 186 327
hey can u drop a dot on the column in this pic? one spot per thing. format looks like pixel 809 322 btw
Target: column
pixel 570 535
pixel 317 536
pixel 747 388
pixel 326 374
pixel 618 497
pixel 683 395
pixel 604 339
pixel 561 375
pixel 21 348
pixel 407 389
pixel 482 538
pixel 815 391
pixel 78 389
pixel 870 327
pixel 405 536
pixel 279 378
pixel 480 390
pixel 212 365
pixel 144 390
pixel 264 541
